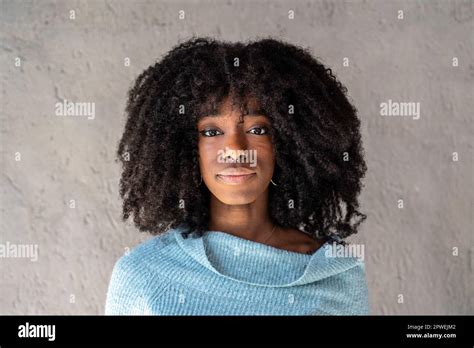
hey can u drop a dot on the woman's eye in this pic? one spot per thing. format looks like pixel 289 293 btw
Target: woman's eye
pixel 210 132
pixel 259 130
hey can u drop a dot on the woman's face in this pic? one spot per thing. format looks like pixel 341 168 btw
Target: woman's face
pixel 236 155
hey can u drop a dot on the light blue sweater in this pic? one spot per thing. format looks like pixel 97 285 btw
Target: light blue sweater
pixel 221 274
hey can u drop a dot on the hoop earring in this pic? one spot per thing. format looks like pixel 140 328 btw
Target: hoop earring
pixel 271 180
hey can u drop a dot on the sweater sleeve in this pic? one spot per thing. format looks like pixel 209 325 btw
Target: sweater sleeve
pixel 347 293
pixel 360 291
pixel 125 295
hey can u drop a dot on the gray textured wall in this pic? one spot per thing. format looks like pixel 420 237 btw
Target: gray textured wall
pixel 409 251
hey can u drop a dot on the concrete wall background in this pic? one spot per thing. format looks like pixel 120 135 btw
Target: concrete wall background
pixel 408 251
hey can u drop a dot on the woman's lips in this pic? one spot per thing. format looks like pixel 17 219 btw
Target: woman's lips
pixel 235 179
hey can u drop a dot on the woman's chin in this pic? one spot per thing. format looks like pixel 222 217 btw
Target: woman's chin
pixel 237 198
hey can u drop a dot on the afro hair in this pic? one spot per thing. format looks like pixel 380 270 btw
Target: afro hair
pixel 319 161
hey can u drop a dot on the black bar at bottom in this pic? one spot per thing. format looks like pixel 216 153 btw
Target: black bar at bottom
pixel 314 330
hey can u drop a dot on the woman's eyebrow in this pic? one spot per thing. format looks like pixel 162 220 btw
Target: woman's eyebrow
pixel 250 112
pixel 256 112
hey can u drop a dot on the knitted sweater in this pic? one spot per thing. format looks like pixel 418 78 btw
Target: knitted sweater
pixel 221 274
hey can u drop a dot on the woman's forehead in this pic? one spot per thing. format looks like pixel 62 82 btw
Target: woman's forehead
pixel 248 107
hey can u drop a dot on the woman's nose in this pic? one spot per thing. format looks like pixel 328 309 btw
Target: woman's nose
pixel 235 145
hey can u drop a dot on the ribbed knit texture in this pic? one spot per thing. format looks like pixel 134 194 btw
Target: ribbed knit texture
pixel 221 274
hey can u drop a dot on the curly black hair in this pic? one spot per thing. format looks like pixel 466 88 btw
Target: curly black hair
pixel 319 162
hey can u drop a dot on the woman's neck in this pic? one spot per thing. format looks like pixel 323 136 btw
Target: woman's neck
pixel 249 221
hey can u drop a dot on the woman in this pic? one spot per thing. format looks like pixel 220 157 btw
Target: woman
pixel 245 162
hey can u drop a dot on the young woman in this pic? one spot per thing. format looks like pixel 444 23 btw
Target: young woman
pixel 245 163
